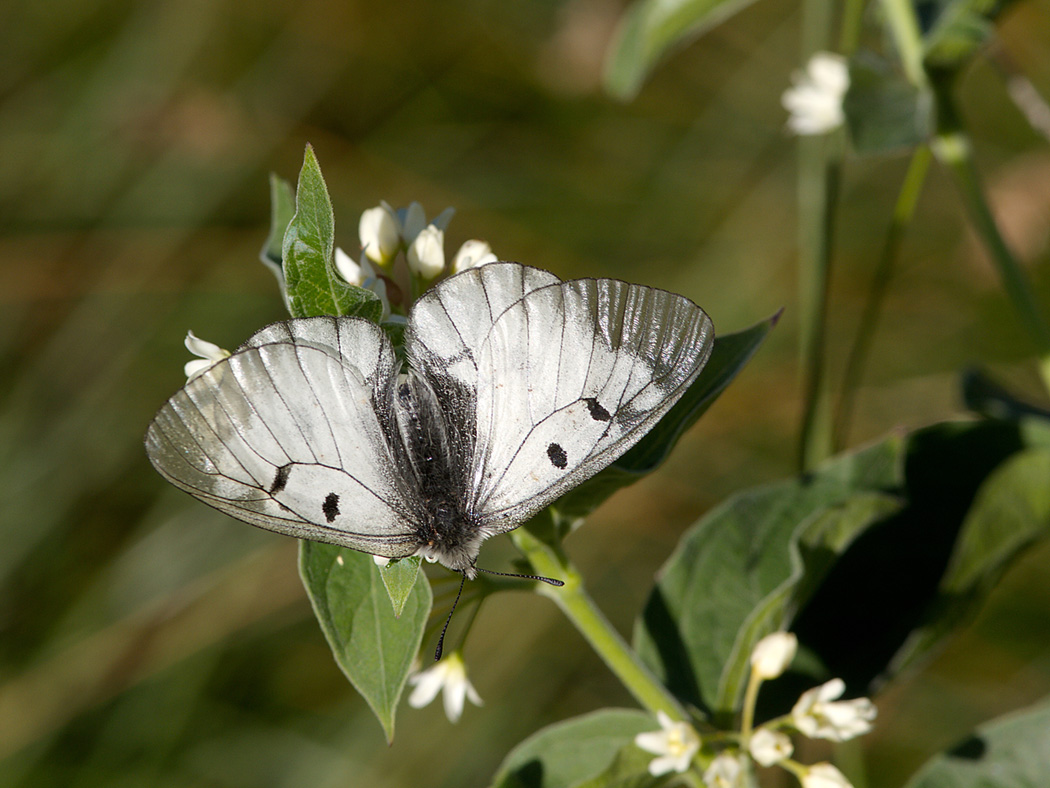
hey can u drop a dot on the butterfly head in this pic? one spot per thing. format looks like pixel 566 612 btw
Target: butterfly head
pixel 452 538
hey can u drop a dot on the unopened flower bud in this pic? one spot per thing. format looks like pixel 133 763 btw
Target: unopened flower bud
pixel 426 254
pixel 378 233
pixel 472 254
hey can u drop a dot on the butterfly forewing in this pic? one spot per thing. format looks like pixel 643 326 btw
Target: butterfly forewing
pixel 286 434
pixel 570 377
pixel 450 322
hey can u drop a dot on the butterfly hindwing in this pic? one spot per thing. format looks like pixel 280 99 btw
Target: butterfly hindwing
pixel 569 378
pixel 288 435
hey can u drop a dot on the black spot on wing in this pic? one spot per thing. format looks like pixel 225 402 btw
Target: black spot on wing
pixel 330 507
pixel 557 456
pixel 280 479
pixel 598 413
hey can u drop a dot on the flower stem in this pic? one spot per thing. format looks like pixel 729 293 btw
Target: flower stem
pixel 904 26
pixel 818 177
pixel 858 355
pixel 953 150
pixel 580 609
pixel 951 146
pixel 818 187
pixel 747 721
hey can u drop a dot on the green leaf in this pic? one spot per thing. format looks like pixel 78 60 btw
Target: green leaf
pixel 728 356
pixel 1010 751
pixel 956 29
pixel 741 571
pixel 314 286
pixel 577 751
pixel 858 622
pixel 374 648
pixel 1011 512
pixel 883 110
pixel 282 208
pixel 942 512
pixel 399 579
pixel 650 28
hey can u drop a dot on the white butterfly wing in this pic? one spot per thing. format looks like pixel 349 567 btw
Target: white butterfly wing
pixel 451 321
pixel 286 434
pixel 570 377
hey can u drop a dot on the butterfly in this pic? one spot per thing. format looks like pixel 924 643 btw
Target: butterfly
pixel 515 388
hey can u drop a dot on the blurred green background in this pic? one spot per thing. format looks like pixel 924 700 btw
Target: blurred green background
pixel 147 640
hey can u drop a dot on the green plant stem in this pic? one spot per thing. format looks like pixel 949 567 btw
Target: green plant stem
pixel 954 151
pixel 849 32
pixel 818 176
pixel 904 26
pixel 903 212
pixel 580 609
pixel 747 720
pixel 818 187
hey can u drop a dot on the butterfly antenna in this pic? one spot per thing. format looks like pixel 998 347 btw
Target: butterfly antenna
pixel 548 580
pixel 444 629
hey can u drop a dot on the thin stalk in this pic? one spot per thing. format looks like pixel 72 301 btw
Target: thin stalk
pixel 904 26
pixel 849 32
pixel 818 188
pixel 581 611
pixel 951 146
pixel 747 721
pixel 953 150
pixel 903 212
pixel 818 175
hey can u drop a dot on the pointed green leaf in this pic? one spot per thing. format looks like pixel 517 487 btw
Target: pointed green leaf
pixel 374 648
pixel 577 750
pixel 399 579
pixel 730 354
pixel 742 569
pixel 313 284
pixel 650 28
pixel 1013 751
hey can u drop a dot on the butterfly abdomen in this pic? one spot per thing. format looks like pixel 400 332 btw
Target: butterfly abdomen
pixel 445 531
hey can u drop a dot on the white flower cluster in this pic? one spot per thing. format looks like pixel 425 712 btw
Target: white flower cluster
pixel 385 232
pixel 815 98
pixel 818 714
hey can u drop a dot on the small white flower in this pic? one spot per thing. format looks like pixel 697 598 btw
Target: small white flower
pixel 450 675
pixel 772 654
pixel 426 254
pixel 472 254
pixel 725 771
pixel 824 775
pixel 818 715
pixel 362 275
pixel 675 743
pixel 210 355
pixel 379 234
pixel 815 100
pixel 381 560
pixel 768 747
